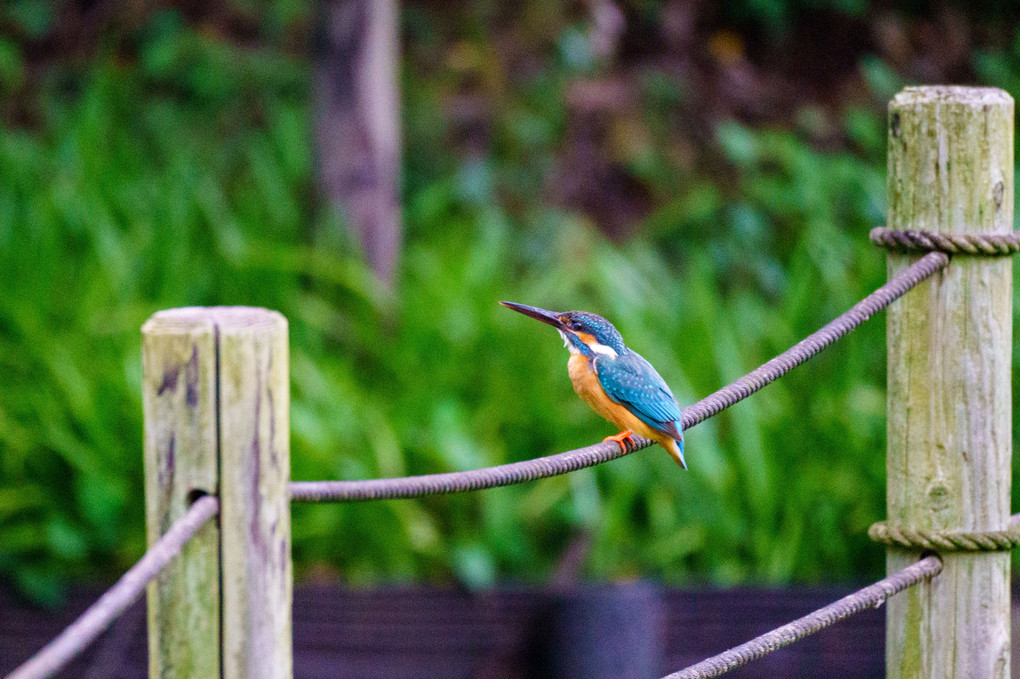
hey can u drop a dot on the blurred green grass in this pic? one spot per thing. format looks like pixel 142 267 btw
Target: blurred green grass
pixel 184 178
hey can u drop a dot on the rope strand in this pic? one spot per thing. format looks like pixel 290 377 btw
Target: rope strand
pixel 561 463
pixel 871 596
pixel 985 244
pixel 948 540
pixel 943 541
pixel 77 636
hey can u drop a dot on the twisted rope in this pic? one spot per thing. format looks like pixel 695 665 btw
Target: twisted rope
pixel 947 541
pixel 77 636
pixel 986 244
pixel 871 596
pixel 561 463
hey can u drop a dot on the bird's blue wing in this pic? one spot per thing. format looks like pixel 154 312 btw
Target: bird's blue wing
pixel 632 382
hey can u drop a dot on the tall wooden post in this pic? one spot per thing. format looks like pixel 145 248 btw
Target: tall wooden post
pixel 949 409
pixel 217 397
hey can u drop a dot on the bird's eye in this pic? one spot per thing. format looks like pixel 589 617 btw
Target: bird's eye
pixel 576 325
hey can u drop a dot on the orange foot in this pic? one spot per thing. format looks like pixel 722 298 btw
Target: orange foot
pixel 625 438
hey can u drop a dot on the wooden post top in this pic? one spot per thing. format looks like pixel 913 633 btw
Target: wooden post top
pixel 951 160
pixel 926 95
pixel 184 319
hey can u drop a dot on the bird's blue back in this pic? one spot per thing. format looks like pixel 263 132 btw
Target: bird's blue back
pixel 631 381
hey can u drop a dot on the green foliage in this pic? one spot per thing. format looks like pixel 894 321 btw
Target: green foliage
pixel 182 178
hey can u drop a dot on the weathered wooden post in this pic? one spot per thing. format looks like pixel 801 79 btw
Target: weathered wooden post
pixel 949 410
pixel 217 397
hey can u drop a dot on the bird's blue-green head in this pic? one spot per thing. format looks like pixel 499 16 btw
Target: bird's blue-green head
pixel 583 332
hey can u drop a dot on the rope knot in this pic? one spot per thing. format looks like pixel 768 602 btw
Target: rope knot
pixel 982 244
pixel 945 541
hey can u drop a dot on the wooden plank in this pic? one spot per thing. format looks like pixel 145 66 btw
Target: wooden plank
pixel 255 505
pixel 180 403
pixel 949 358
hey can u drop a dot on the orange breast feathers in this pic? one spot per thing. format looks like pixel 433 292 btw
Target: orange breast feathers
pixel 586 384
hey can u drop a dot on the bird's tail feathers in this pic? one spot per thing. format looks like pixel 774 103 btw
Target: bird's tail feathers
pixel 676 451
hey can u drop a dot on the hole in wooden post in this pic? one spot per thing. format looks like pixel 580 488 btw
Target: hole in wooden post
pixel 193 496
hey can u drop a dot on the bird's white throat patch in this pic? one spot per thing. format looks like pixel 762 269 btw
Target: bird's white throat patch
pixel 567 343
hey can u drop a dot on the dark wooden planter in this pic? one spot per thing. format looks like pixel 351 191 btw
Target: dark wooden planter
pixel 592 631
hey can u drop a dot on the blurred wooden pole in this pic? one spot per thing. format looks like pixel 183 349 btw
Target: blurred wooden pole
pixel 217 400
pixel 357 123
pixel 949 363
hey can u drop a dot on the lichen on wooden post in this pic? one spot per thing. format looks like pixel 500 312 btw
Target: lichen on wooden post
pixel 949 363
pixel 216 397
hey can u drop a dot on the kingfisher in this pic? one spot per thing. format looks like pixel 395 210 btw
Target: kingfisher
pixel 617 382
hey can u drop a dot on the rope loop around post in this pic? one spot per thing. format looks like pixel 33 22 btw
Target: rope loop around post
pixel 980 244
pixel 945 541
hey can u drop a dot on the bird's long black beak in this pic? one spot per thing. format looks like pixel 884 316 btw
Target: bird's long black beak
pixel 550 317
